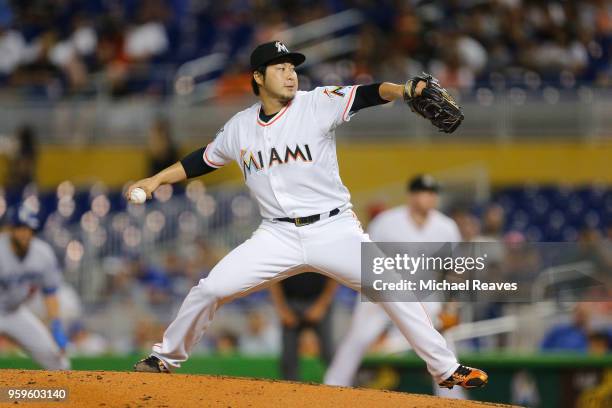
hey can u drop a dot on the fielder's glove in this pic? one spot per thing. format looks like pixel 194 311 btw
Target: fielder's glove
pixel 434 103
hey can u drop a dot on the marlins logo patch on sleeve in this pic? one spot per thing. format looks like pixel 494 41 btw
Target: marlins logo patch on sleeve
pixel 338 91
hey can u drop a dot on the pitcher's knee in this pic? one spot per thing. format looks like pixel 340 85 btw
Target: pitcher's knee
pixel 207 288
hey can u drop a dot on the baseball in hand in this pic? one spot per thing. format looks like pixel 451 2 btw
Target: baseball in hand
pixel 138 196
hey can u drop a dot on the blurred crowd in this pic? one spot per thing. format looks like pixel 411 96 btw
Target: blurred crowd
pixel 55 48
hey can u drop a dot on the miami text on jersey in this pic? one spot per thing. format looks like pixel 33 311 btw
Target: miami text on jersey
pixel 255 162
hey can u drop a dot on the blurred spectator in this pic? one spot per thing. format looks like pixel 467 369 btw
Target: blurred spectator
pixel 203 257
pixel 22 163
pixel 110 58
pixel 492 231
pixel 521 262
pixel 181 274
pixel 162 151
pixel 260 336
pixel 159 283
pixel 84 342
pixel 468 224
pixel 493 222
pixel 600 343
pixel 153 278
pixel 12 43
pixel 226 343
pixel 592 246
pixel 304 302
pixel 451 71
pixel 593 250
pixel 147 38
pixel 570 337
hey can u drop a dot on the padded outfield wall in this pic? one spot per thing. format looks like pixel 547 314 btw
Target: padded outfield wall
pixel 364 165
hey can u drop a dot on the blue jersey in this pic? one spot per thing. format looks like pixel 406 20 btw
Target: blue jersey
pixel 19 277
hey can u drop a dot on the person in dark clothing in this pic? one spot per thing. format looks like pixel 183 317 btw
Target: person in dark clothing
pixel 304 301
pixel 162 151
pixel 22 167
pixel 573 336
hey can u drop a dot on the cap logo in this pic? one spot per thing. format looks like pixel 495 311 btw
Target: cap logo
pixel 428 180
pixel 280 47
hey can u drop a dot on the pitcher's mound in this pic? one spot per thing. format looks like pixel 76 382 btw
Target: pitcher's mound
pixel 127 389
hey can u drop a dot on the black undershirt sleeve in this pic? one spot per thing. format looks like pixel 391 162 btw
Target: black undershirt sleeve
pixel 194 164
pixel 366 96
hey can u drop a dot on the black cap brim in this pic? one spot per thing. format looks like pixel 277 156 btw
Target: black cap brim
pixel 295 58
pixel 424 189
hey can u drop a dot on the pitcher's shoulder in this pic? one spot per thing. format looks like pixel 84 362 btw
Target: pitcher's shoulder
pixel 306 95
pixel 244 115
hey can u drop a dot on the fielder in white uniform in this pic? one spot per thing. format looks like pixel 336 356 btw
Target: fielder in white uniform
pixel 419 221
pixel 27 264
pixel 285 148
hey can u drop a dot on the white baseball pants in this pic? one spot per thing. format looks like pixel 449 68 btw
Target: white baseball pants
pixel 278 250
pixel 33 336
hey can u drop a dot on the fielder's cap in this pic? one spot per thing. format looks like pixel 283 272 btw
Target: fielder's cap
pixel 23 216
pixel 423 182
pixel 266 53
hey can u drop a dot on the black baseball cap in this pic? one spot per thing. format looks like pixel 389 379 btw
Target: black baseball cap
pixel 423 182
pixel 265 53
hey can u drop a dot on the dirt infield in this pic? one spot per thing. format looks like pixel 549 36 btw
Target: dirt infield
pixel 126 389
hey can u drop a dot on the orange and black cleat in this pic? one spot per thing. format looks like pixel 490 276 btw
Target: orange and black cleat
pixel 151 364
pixel 466 377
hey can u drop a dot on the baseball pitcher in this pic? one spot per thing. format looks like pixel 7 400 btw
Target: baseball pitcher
pixel 285 146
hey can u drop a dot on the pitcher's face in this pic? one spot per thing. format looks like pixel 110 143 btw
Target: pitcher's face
pixel 280 82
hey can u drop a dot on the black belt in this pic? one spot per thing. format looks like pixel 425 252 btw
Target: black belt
pixel 301 221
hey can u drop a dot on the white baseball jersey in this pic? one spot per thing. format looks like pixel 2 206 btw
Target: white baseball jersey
pixel 18 277
pixel 289 163
pixel 396 225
